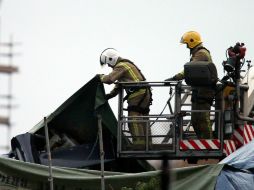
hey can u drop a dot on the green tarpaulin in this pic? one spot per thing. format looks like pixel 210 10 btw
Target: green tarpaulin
pixel 77 115
pixel 21 175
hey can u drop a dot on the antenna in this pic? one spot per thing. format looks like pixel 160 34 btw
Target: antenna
pixel 6 70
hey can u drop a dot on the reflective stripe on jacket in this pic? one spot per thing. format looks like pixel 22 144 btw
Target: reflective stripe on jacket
pixel 124 72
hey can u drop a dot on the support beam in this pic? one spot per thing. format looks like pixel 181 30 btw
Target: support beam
pixel 8 69
pixel 4 120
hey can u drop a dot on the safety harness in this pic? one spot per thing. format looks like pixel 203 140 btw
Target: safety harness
pixel 136 91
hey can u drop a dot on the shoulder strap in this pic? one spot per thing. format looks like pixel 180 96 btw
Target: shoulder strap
pixel 127 60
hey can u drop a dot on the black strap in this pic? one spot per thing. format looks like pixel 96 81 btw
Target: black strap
pixel 135 89
pixel 132 90
pixel 138 108
pixel 127 60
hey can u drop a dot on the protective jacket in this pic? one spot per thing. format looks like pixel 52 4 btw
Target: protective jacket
pixel 126 71
pixel 202 97
pixel 139 99
pixel 199 53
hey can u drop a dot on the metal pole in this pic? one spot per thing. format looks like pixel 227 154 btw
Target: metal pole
pixel 9 107
pixel 120 125
pixel 101 151
pixel 50 179
pixel 165 173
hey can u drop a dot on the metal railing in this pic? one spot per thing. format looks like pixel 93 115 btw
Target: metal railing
pixel 163 133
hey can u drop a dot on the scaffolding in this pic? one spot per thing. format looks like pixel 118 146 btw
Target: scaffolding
pixel 6 95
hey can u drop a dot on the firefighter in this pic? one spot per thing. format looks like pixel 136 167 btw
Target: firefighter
pixel 139 99
pixel 202 97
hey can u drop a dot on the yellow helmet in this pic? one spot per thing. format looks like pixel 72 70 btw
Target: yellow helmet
pixel 191 38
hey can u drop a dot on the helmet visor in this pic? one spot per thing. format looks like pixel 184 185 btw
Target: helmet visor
pixel 103 59
pixel 182 41
pixel 101 62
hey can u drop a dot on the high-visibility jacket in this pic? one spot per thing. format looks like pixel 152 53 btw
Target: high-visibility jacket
pixel 139 99
pixel 124 71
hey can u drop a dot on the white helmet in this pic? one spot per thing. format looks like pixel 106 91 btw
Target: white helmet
pixel 109 56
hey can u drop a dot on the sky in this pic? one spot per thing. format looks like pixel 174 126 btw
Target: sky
pixel 60 41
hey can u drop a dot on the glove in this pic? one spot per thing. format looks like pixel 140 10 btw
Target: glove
pixel 98 76
pixel 170 79
pixel 108 96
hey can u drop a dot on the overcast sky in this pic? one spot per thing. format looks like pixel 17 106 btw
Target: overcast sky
pixel 62 41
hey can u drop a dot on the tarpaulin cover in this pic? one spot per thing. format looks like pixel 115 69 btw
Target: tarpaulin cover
pixel 196 178
pixel 77 116
pixel 238 172
pixel 243 158
pixel 21 175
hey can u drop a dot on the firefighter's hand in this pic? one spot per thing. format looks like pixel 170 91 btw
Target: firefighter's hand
pixel 99 76
pixel 108 96
pixel 170 79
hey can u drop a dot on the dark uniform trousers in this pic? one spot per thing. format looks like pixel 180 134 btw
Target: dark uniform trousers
pixel 201 120
pixel 138 127
pixel 202 99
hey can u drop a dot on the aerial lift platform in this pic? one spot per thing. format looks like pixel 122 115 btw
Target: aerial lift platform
pixel 172 134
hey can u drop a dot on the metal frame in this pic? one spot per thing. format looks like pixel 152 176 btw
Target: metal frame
pixel 177 119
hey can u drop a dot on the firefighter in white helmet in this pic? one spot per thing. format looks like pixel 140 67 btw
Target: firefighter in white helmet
pixel 139 99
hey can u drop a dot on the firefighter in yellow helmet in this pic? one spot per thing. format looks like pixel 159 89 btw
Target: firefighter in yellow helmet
pixel 202 97
pixel 139 99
